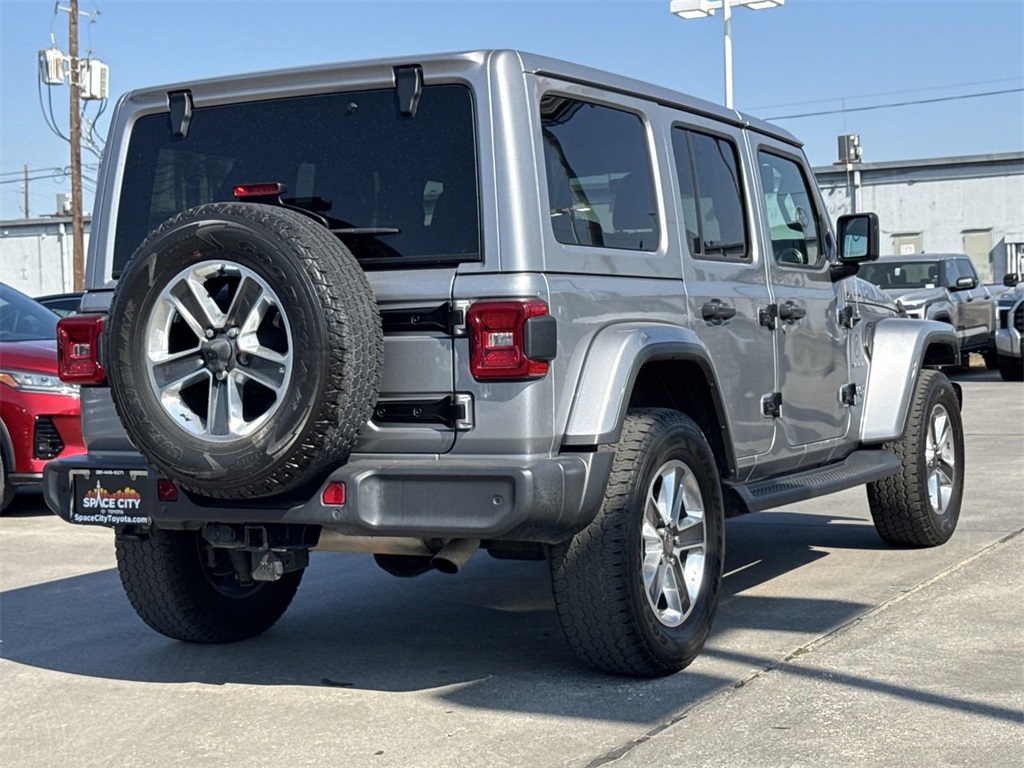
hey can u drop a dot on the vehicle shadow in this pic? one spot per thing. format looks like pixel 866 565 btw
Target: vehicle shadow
pixel 27 502
pixel 490 637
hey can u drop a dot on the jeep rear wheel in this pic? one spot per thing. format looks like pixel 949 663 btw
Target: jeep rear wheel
pixel 244 350
pixel 637 589
pixel 919 505
pixel 187 590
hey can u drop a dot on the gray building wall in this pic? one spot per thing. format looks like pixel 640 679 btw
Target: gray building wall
pixel 972 205
pixel 36 254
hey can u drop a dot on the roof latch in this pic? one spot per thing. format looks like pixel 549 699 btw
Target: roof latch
pixel 180 103
pixel 409 83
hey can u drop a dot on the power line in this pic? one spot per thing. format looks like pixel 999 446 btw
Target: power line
pixel 885 93
pixel 896 104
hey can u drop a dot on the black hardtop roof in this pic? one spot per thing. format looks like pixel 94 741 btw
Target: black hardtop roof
pixel 255 82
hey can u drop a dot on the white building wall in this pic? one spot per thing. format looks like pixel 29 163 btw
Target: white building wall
pixel 36 255
pixel 940 202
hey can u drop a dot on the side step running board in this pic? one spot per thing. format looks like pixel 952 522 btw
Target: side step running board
pixel 856 469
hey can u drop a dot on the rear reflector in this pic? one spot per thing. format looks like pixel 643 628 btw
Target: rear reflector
pixel 78 341
pixel 266 189
pixel 166 490
pixel 334 494
pixel 497 339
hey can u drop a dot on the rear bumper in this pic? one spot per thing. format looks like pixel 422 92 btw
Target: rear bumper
pixel 517 498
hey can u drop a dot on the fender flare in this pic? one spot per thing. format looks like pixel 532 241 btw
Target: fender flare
pixel 897 350
pixel 942 307
pixel 615 358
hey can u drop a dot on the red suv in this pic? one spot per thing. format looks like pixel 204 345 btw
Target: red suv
pixel 39 414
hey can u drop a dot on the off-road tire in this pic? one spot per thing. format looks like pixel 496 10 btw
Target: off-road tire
pixel 334 352
pixel 1011 368
pixel 598 576
pixel 906 511
pixel 172 587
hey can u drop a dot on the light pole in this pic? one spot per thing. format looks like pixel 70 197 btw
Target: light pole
pixel 699 9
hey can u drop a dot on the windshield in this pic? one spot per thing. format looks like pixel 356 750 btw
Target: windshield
pixel 22 319
pixel 901 274
pixel 408 183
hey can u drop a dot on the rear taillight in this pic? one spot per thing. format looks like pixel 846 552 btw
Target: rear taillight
pixel 511 340
pixel 78 341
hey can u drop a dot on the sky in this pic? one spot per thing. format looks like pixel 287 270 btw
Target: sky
pixel 913 78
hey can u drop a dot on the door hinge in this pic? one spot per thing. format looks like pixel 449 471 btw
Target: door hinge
pixel 454 412
pixel 848 394
pixel 445 318
pixel 766 316
pixel 771 405
pixel 848 317
pixel 180 105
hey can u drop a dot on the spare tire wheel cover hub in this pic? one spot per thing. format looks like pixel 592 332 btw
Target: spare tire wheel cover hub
pixel 219 364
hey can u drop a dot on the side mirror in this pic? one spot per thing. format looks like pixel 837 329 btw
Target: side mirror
pixel 858 238
pixel 1010 279
pixel 965 283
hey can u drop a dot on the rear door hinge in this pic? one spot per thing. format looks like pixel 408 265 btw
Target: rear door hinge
pixel 771 405
pixel 447 318
pixel 848 317
pixel 454 412
pixel 766 316
pixel 848 394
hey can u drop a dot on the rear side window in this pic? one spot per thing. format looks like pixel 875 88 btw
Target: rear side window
pixel 711 192
pixel 600 180
pixel 409 183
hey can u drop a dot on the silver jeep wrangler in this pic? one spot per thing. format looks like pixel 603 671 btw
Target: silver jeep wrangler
pixel 488 300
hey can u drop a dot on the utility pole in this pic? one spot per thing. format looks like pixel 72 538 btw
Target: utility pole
pixel 26 189
pixel 77 236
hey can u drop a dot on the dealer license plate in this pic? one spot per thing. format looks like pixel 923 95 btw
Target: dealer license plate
pixel 109 497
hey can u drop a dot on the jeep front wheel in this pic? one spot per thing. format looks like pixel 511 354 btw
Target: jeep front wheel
pixel 637 589
pixel 919 505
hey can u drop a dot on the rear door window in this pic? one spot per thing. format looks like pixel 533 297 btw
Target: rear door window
pixel 600 181
pixel 409 183
pixel 711 190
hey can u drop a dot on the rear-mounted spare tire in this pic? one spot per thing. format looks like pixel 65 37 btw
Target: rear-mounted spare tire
pixel 244 350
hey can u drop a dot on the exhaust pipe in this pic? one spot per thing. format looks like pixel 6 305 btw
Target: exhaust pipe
pixel 454 555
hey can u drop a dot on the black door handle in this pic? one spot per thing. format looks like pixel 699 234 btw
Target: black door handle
pixel 716 311
pixel 790 312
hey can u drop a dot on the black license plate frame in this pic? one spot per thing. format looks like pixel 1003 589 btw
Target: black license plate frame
pixel 109 497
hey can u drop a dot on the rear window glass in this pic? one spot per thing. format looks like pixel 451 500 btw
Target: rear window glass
pixel 408 182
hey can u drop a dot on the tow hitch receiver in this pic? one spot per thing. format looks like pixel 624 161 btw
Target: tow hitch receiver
pixel 258 554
